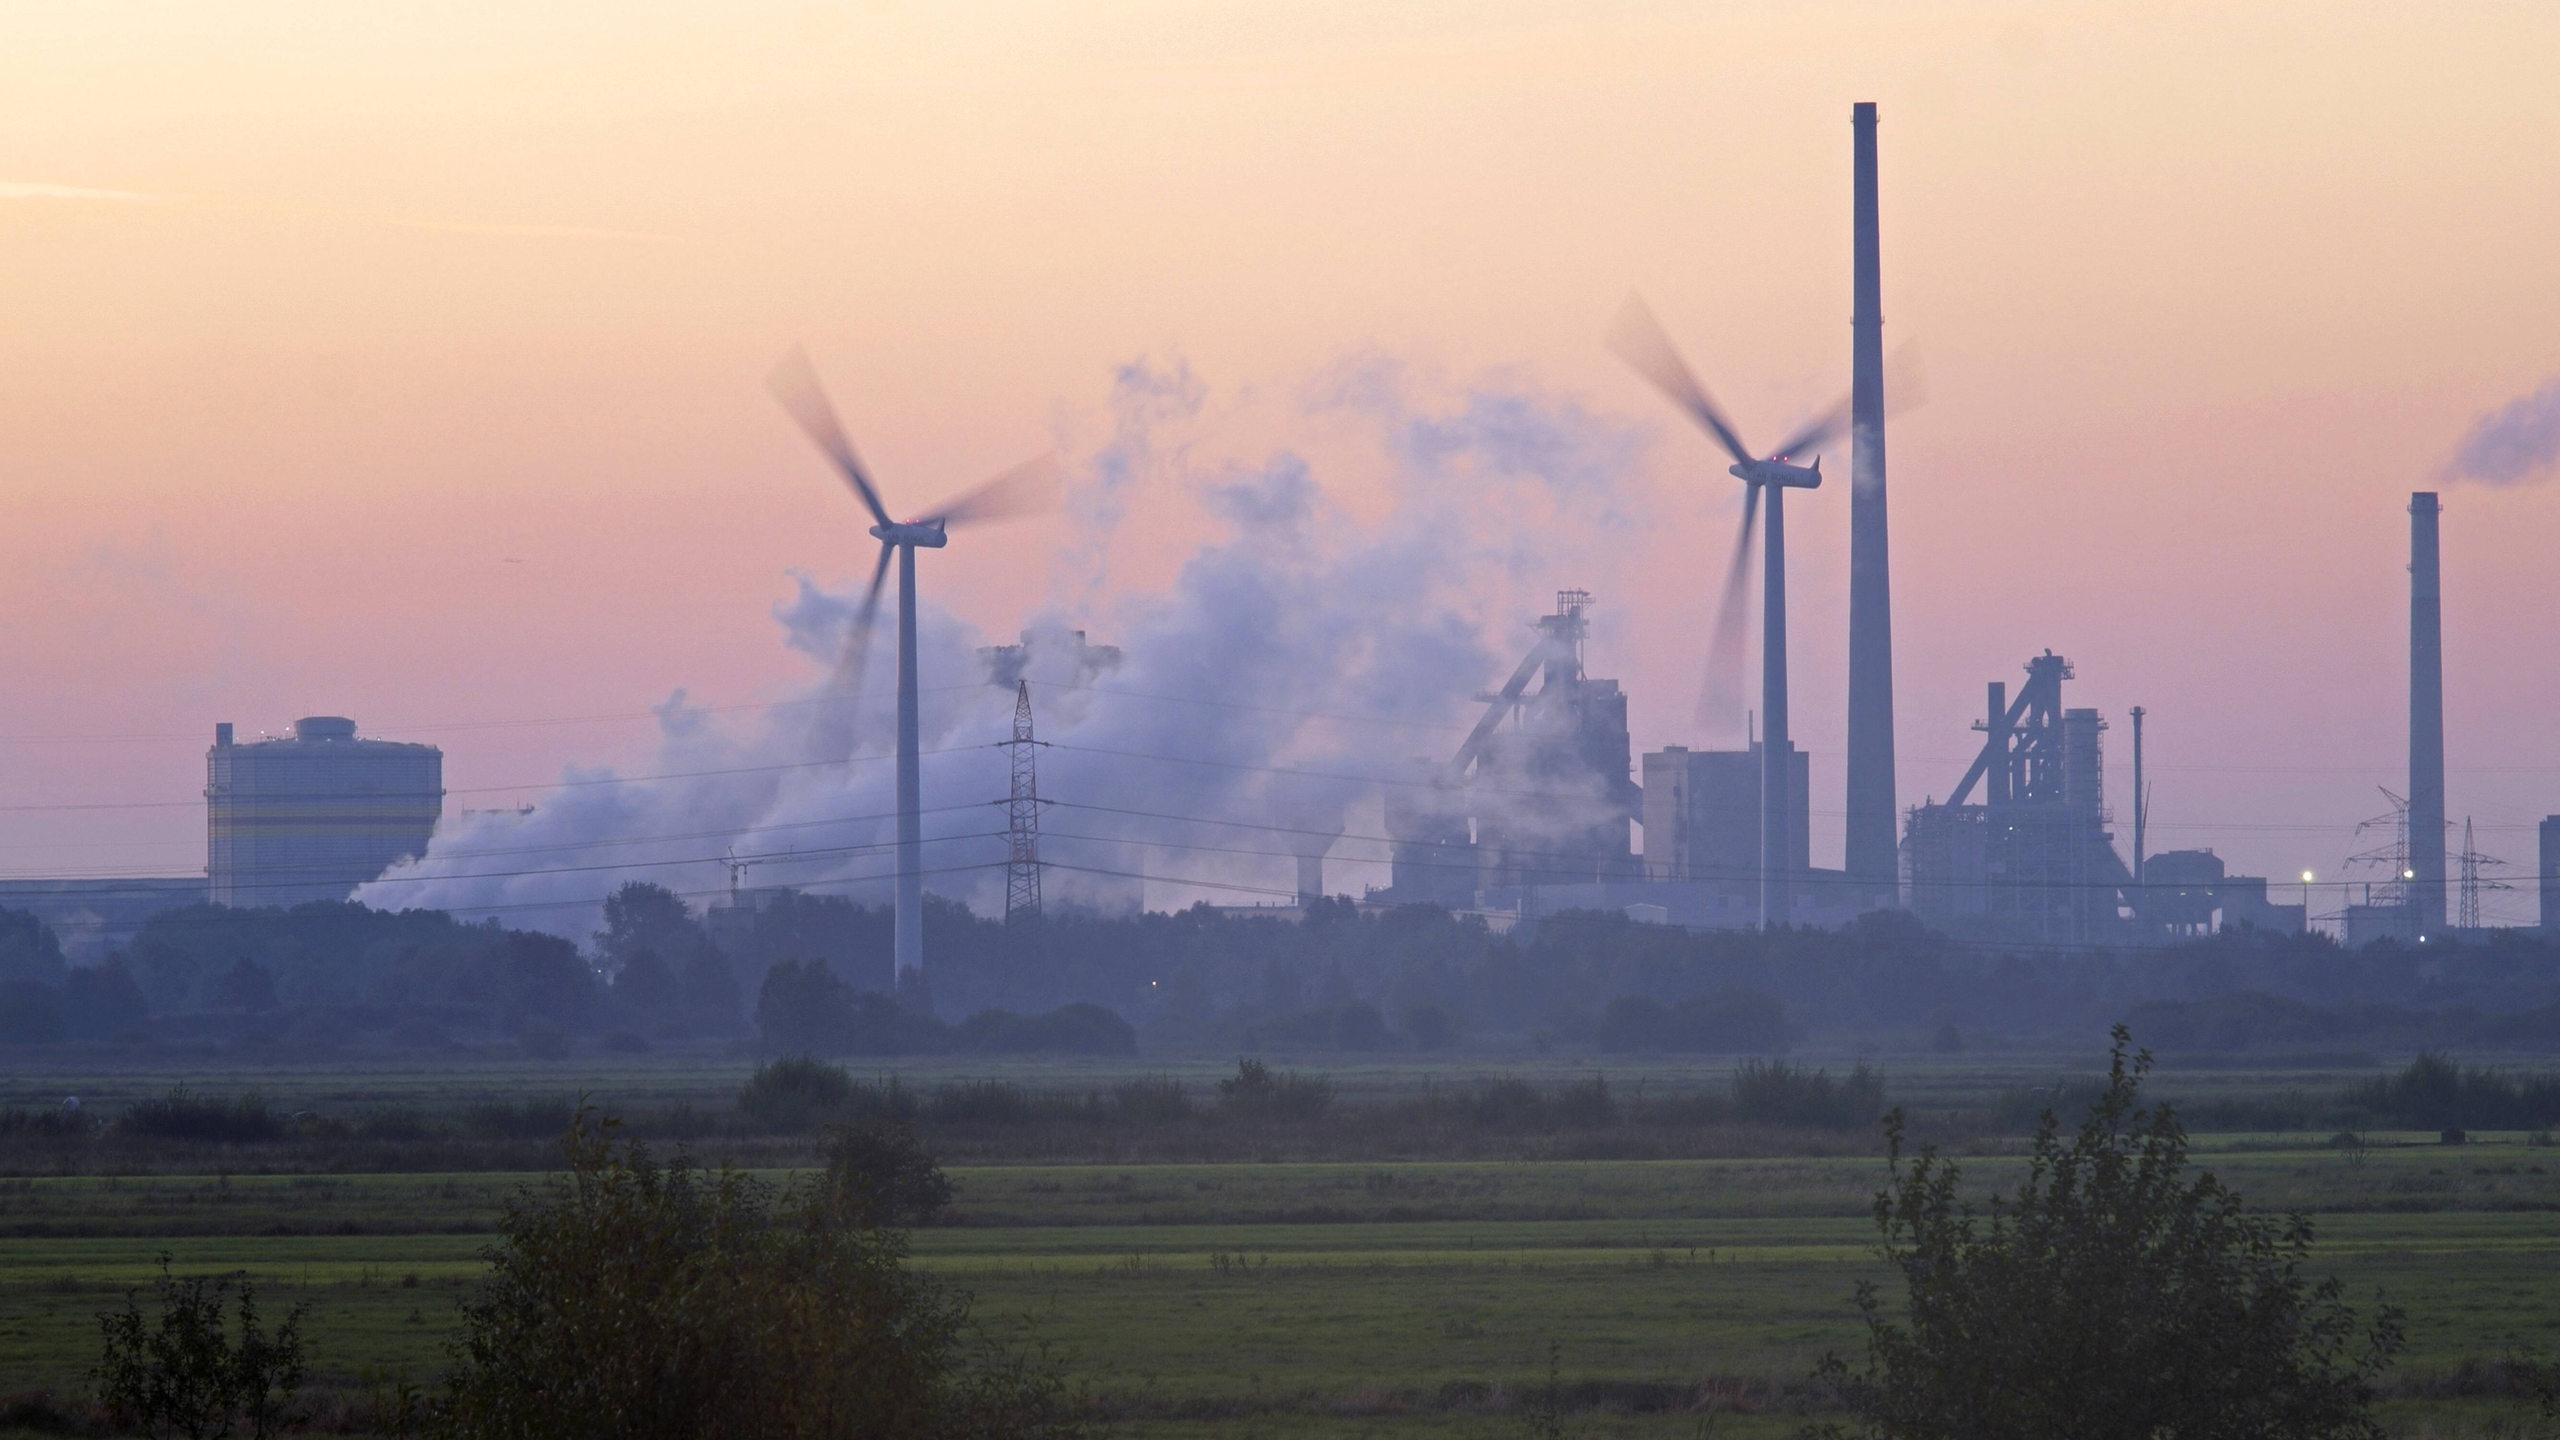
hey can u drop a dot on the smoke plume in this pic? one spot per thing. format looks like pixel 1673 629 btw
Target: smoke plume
pixel 1330 629
pixel 2514 445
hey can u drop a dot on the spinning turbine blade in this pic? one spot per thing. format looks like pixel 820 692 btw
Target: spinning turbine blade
pixel 1720 700
pixel 1905 388
pixel 794 382
pixel 1637 338
pixel 838 718
pixel 1030 487
pixel 857 641
pixel 1815 433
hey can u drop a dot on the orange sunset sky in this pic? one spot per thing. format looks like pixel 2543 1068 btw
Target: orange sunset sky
pixel 404 361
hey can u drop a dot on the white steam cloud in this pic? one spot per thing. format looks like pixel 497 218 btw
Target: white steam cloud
pixel 1298 657
pixel 2513 445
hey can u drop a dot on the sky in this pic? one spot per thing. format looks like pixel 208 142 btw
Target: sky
pixel 405 361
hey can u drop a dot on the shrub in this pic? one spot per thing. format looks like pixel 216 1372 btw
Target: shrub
pixel 1151 1100
pixel 982 1102
pixel 2435 1093
pixel 66 1119
pixel 801 1093
pixel 184 1115
pixel 879 1174
pixel 1255 1091
pixel 1772 1092
pixel 1585 1104
pixel 2115 1295
pixel 182 1372
pixel 643 1299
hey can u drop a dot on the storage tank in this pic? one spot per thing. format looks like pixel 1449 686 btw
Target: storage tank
pixel 316 813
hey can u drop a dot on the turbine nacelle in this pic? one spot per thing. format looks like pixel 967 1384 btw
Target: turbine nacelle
pixel 1776 471
pixel 930 535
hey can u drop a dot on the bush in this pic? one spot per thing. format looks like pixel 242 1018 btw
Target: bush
pixel 983 1102
pixel 1256 1092
pixel 1077 1029
pixel 642 1299
pixel 184 1115
pixel 1151 1100
pixel 801 1093
pixel 2115 1295
pixel 183 1372
pixel 2435 1093
pixel 879 1174
pixel 1772 1092
pixel 65 1120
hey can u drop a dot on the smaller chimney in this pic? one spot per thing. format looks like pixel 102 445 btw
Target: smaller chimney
pixel 2551 878
pixel 222 735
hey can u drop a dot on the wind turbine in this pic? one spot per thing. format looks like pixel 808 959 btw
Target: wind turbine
pixel 1638 339
pixel 795 383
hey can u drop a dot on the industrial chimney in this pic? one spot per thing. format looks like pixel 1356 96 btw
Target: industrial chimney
pixel 2423 887
pixel 1869 851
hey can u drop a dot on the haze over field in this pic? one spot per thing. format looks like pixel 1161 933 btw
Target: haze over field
pixel 411 372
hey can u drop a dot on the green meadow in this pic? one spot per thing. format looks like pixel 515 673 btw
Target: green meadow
pixel 1381 1296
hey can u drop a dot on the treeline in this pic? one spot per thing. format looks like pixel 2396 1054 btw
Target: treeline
pixel 812 973
pixel 801 1094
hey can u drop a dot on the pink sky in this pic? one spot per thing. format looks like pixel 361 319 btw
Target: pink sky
pixel 404 362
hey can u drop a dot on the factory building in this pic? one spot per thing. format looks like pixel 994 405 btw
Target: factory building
pixel 2033 860
pixel 2186 894
pixel 314 814
pixel 1702 814
pixel 1539 794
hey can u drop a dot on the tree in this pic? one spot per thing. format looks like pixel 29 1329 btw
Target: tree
pixel 29 950
pixel 30 1013
pixel 183 1373
pixel 99 1001
pixel 639 1299
pixel 2116 1294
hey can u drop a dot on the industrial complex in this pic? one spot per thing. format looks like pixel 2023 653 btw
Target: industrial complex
pixel 1545 806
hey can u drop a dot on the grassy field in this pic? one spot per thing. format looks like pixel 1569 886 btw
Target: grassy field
pixel 1382 1297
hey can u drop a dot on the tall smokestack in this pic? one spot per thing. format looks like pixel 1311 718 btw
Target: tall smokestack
pixel 1870 794
pixel 2425 889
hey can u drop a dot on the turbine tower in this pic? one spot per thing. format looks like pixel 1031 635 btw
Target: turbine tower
pixel 795 384
pixel 1640 341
